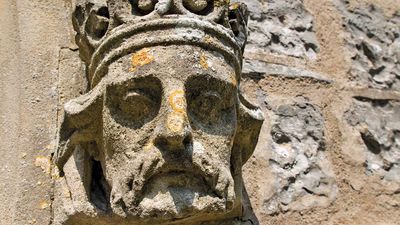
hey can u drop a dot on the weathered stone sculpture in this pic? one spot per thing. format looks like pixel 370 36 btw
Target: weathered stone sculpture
pixel 163 133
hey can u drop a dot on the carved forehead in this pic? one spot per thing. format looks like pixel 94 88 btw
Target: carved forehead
pixel 172 63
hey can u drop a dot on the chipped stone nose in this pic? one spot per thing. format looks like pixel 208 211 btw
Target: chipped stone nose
pixel 175 133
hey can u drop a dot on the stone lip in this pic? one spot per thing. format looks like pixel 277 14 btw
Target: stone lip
pixel 169 169
pixel 208 177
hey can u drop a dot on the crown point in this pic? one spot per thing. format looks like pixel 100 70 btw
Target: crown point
pixel 196 5
pixel 146 5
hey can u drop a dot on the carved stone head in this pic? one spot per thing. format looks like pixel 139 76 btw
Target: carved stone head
pixel 164 126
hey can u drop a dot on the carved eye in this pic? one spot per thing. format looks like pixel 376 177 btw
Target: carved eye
pixel 207 106
pixel 210 104
pixel 137 105
pixel 208 101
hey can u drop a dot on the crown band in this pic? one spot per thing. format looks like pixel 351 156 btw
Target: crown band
pixel 167 31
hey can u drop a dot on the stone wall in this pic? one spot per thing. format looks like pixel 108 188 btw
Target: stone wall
pixel 326 73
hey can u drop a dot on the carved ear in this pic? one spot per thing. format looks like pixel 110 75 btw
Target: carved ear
pixel 250 120
pixel 81 123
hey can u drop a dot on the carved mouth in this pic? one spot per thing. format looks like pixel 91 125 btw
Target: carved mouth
pixel 167 180
pixel 172 188
pixel 178 195
pixel 185 174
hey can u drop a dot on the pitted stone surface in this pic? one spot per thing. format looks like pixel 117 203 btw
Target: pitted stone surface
pixel 373 42
pixel 40 65
pixel 283 28
pixel 378 124
pixel 163 132
pixel 304 177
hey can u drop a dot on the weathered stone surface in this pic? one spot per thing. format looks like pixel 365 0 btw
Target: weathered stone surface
pixel 33 33
pixel 378 124
pixel 300 55
pixel 155 139
pixel 304 177
pixel 281 27
pixel 373 42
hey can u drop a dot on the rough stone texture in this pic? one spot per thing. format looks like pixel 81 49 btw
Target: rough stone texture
pixel 151 140
pixel 373 41
pixel 378 122
pixel 281 27
pixel 304 177
pixel 33 33
pixel 356 111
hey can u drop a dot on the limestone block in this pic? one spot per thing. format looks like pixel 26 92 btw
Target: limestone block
pixel 378 125
pixel 373 42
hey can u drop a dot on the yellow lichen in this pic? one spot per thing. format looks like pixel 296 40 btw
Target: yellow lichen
pixel 203 62
pixel 44 204
pixel 175 122
pixel 177 100
pixel 233 79
pixel 141 58
pixel 44 163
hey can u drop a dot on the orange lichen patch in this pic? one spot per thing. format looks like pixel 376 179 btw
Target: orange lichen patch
pixel 44 163
pixel 176 121
pixel 203 62
pixel 141 58
pixel 233 79
pixel 44 204
pixel 177 100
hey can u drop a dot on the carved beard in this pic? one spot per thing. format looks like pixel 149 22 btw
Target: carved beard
pixel 183 186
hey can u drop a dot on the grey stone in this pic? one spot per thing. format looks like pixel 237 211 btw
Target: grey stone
pixel 282 27
pixel 303 174
pixel 373 42
pixel 378 124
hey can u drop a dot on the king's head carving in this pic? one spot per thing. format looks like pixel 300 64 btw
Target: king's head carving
pixel 164 119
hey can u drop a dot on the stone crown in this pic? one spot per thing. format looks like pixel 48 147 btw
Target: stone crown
pixel 109 29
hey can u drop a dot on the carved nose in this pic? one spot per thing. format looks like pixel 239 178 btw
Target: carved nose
pixel 175 134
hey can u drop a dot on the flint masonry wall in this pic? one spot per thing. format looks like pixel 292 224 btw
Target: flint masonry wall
pixel 326 73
